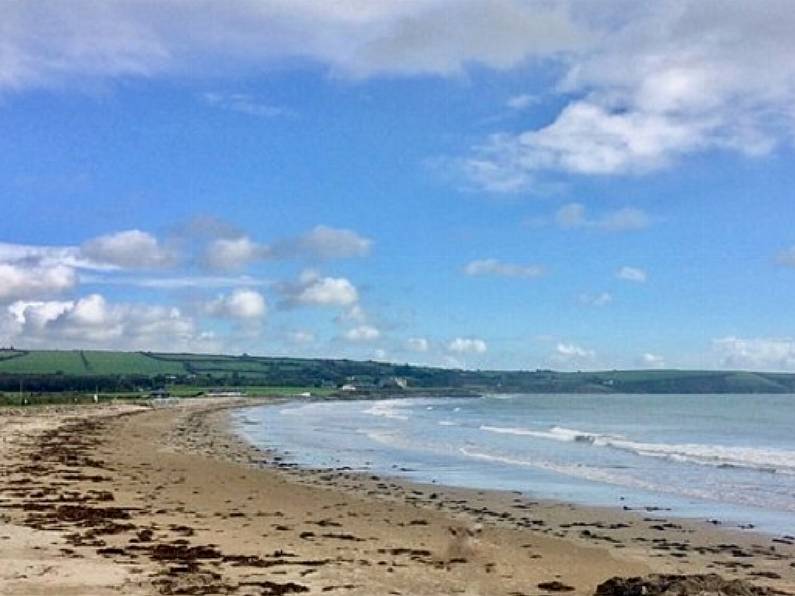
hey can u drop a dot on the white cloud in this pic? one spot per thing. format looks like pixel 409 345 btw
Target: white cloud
pixel 19 281
pixel 575 216
pixel 130 249
pixel 48 256
pixel 633 274
pixel 652 361
pixel 323 242
pixel 244 104
pixel 572 355
pixel 497 268
pixel 787 257
pixel 657 83
pixel 417 344
pixel 93 322
pixel 601 299
pixel 467 345
pixel 314 290
pixel 763 353
pixel 362 333
pixel 244 304
pixel 228 254
pixel 589 139
pixel 379 354
pixel 52 42
pixel 573 350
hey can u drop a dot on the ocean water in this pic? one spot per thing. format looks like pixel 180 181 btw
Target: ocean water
pixel 729 458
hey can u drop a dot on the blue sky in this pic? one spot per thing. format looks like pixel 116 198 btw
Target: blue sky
pixel 487 184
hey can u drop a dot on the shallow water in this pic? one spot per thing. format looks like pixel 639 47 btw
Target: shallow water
pixel 730 458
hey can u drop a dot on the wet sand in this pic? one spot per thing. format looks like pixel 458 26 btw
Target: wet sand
pixel 133 500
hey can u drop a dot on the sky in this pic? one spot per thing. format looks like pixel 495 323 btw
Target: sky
pixel 478 184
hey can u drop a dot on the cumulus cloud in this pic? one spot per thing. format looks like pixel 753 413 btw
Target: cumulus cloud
pixel 323 242
pixel 633 274
pixel 30 271
pixel 586 139
pixel 575 216
pixel 51 42
pixel 648 360
pixel 417 344
pixel 48 256
pixel 571 354
pixel 93 322
pixel 362 333
pixel 242 304
pixel 229 254
pixel 129 249
pixel 493 267
pixel 467 345
pixel 762 353
pixel 659 82
pixel 19 281
pixel 312 289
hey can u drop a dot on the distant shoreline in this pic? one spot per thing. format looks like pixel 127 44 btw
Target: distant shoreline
pixel 85 372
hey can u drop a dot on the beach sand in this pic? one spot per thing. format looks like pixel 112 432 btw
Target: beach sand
pixel 134 500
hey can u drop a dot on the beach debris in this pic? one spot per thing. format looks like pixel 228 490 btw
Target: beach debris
pixel 555 586
pixel 678 585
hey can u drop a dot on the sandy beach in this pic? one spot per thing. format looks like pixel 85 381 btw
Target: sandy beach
pixel 127 499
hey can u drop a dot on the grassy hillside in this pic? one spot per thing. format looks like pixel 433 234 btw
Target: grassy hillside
pixel 124 371
pixel 79 362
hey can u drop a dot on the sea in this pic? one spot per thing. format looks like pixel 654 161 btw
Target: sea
pixel 728 459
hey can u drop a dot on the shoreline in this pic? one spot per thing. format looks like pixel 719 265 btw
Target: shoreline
pixel 504 499
pixel 708 521
pixel 202 512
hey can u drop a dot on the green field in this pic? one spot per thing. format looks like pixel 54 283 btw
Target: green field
pixel 79 362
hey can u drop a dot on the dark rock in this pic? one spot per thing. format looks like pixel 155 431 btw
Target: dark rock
pixel 678 585
pixel 555 586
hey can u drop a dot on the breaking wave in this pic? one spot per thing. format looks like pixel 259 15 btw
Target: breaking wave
pixel 779 461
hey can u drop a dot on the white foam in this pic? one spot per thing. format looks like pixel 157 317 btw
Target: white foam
pixel 606 476
pixel 385 409
pixel 768 460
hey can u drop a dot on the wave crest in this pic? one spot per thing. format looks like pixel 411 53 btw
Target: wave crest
pixel 767 460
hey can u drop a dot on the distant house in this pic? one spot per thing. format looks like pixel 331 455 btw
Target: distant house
pixel 348 387
pixel 161 393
